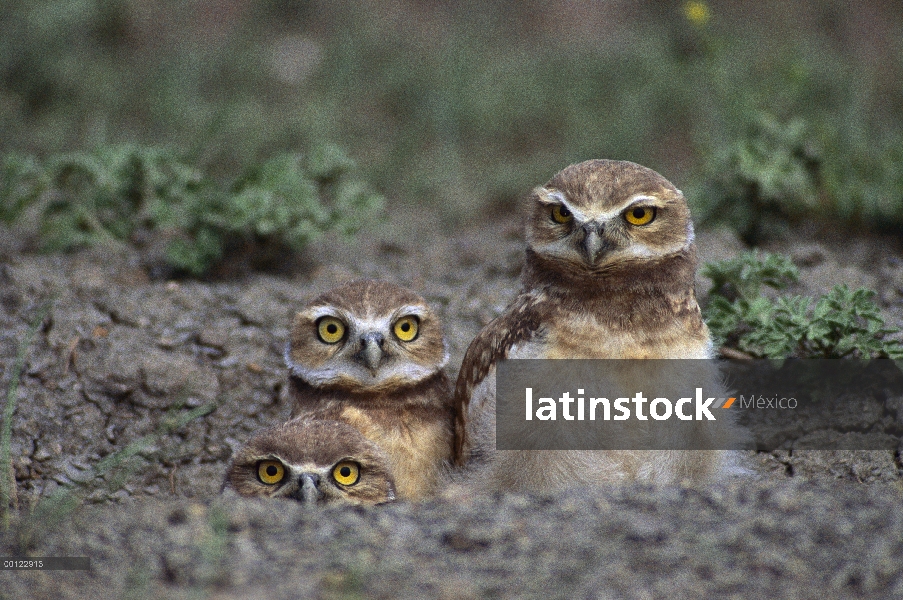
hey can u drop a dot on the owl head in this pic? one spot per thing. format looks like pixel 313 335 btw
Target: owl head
pixel 600 213
pixel 366 336
pixel 312 461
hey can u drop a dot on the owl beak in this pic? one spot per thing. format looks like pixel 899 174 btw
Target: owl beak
pixel 372 350
pixel 308 492
pixel 592 243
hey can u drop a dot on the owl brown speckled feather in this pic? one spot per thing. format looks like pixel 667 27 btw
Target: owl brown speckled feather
pixel 609 273
pixel 312 461
pixel 371 354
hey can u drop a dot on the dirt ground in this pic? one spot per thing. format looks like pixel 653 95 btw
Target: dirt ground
pixel 105 465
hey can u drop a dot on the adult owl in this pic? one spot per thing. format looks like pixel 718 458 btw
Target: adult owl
pixel 609 274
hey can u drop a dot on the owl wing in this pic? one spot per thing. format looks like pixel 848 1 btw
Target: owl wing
pixel 520 322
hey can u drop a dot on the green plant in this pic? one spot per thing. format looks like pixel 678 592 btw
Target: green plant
pixel 841 324
pixel 464 106
pixel 778 172
pixel 764 177
pixel 786 144
pixel 108 195
pixel 290 199
pixel 104 196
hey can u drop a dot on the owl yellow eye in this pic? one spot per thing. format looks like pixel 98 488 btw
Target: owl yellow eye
pixel 641 215
pixel 406 328
pixel 346 472
pixel 560 214
pixel 270 472
pixel 330 329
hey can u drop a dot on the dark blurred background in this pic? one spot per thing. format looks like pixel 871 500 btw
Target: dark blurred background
pixel 750 107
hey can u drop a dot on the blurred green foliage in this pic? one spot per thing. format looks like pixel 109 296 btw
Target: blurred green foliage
pixel 762 112
pixel 777 174
pixel 841 324
pixel 117 191
pixel 768 174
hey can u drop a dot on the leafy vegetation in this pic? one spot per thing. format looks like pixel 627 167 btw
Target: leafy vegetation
pixel 111 194
pixel 841 324
pixel 759 114
pixel 775 173
pixel 768 174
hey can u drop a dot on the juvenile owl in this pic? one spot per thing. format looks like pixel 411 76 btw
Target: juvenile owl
pixel 312 462
pixel 609 274
pixel 371 354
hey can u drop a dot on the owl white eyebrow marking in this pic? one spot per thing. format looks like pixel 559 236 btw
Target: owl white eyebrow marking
pixel 410 309
pixel 324 311
pixel 549 197
pixel 546 196
pixel 632 201
pixel 639 199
